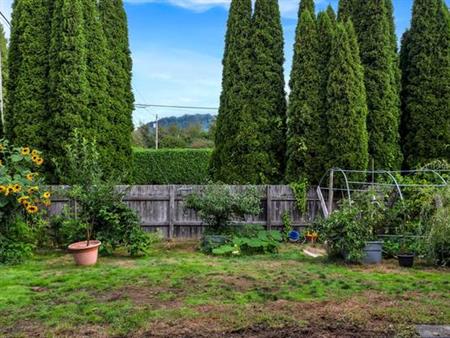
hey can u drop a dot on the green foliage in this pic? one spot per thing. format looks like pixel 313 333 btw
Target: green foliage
pixel 262 242
pixel 347 108
pixel 171 166
pixel 4 67
pixel 267 100
pixel 425 62
pixel 27 92
pixel 439 236
pixel 17 242
pixel 374 28
pixel 287 225
pixel 232 160
pixel 305 151
pixel 345 233
pixel 121 105
pixel 217 205
pixel 300 190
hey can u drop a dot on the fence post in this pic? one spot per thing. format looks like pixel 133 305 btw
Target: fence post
pixel 269 207
pixel 171 210
pixel 331 192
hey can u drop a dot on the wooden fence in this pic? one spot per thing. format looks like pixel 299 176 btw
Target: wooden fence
pixel 161 207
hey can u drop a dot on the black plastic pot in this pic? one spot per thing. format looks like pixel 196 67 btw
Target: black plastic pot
pixel 406 260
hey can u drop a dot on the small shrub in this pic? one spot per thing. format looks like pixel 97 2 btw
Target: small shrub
pixel 171 166
pixel 217 205
pixel 439 235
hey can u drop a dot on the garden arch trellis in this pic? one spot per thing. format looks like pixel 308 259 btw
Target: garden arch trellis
pixel 389 179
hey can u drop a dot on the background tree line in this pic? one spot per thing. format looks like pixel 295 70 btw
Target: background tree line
pixel 69 67
pixel 353 99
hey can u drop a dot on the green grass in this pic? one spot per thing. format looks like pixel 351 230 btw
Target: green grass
pixel 164 292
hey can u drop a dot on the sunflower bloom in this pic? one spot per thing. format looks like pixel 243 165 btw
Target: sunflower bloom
pixel 9 190
pixel 32 209
pixel 30 176
pixel 46 195
pixel 25 151
pixel 22 199
pixel 39 161
pixel 32 190
pixel 3 189
pixel 26 203
pixel 35 152
pixel 17 188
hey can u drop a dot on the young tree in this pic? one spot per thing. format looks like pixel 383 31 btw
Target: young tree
pixel 374 31
pixel 347 107
pixel 231 139
pixel 27 94
pixel 267 95
pixel 4 65
pixel 426 84
pixel 69 98
pixel 115 27
pixel 305 123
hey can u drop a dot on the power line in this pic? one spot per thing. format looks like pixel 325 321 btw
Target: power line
pixel 142 105
pixel 5 18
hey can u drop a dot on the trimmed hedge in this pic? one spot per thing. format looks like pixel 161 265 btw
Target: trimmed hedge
pixel 170 166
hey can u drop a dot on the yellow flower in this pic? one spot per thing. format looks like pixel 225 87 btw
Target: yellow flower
pixel 30 176
pixel 3 189
pixel 35 152
pixel 26 203
pixel 17 188
pixel 46 195
pixel 32 209
pixel 39 161
pixel 32 190
pixel 9 190
pixel 23 199
pixel 25 151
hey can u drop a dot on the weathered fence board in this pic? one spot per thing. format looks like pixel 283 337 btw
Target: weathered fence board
pixel 161 207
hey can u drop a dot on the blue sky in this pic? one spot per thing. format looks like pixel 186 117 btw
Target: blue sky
pixel 177 48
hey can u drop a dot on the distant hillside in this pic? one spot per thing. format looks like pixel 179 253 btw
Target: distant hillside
pixel 185 121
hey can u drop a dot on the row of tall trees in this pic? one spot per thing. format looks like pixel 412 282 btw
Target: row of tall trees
pixel 70 68
pixel 4 67
pixel 345 108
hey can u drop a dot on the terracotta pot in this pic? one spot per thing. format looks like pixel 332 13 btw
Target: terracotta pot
pixel 84 254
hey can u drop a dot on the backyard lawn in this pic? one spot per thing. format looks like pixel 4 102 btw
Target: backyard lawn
pixel 177 291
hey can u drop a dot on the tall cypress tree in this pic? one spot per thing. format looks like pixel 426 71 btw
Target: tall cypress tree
pixel 347 108
pixel 267 95
pixel 306 5
pixel 346 9
pixel 115 27
pixel 27 109
pixel 374 32
pixel 98 125
pixel 4 57
pixel 305 123
pixel 68 101
pixel 331 13
pixel 426 84
pixel 227 163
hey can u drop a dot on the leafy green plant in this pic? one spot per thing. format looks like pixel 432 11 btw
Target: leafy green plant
pixel 217 205
pixel 300 190
pixel 287 225
pixel 256 241
pixel 439 236
pixel 345 234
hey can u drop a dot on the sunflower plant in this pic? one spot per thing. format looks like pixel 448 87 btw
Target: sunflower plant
pixel 22 194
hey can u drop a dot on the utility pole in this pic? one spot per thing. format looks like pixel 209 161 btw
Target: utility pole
pixel 156 133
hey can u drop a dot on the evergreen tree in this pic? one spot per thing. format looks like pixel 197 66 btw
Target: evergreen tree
pixel 426 84
pixel 374 32
pixel 234 124
pixel 98 125
pixel 306 5
pixel 69 98
pixel 305 123
pixel 347 108
pixel 4 66
pixel 267 95
pixel 345 10
pixel 27 95
pixel 331 13
pixel 115 27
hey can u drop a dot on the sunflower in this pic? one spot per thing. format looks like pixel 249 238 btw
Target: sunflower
pixel 3 189
pixel 26 203
pixel 25 151
pixel 39 161
pixel 32 209
pixel 32 190
pixel 35 152
pixel 30 176
pixel 46 195
pixel 23 199
pixel 17 188
pixel 9 190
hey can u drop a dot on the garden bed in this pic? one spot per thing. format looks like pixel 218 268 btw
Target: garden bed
pixel 177 291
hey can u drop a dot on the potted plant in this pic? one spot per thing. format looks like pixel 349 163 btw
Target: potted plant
pixel 406 255
pixel 86 252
